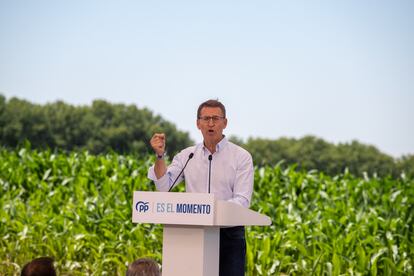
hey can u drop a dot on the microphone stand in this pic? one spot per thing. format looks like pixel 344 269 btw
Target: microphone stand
pixel 189 157
pixel 210 157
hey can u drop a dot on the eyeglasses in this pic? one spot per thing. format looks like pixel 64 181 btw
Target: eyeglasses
pixel 207 119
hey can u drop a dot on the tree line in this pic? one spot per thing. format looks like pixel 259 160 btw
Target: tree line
pixel 311 153
pixel 126 129
pixel 99 128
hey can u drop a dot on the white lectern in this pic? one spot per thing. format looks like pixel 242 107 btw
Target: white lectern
pixel 192 222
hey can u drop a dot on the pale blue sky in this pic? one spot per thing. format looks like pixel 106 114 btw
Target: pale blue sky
pixel 339 70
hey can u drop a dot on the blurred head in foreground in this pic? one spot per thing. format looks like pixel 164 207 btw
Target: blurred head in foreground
pixel 143 267
pixel 42 266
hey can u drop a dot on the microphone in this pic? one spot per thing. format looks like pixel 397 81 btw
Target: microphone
pixel 210 157
pixel 189 157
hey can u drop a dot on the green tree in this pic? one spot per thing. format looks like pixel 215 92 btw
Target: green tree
pixel 405 165
pixel 24 121
pixel 99 128
pixel 311 153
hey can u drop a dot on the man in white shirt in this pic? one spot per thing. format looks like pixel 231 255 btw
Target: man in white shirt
pixel 215 166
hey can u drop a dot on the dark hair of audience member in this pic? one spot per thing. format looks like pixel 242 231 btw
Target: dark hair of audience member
pixel 143 267
pixel 42 266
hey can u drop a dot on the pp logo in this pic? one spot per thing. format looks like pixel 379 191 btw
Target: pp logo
pixel 142 206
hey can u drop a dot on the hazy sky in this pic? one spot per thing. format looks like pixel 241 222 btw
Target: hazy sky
pixel 339 70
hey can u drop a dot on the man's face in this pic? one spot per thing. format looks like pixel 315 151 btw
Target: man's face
pixel 211 123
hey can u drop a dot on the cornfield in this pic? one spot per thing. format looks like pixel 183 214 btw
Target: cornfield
pixel 76 208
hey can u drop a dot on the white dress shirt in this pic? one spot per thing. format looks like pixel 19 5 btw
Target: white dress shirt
pixel 231 172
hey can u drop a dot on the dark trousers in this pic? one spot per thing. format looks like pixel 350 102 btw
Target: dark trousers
pixel 232 251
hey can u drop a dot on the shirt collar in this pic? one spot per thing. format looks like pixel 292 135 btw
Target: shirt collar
pixel 219 146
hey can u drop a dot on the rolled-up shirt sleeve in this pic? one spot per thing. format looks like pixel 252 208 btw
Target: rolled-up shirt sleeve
pixel 164 183
pixel 243 186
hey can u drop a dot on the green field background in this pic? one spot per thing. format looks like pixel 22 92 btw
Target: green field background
pixel 76 207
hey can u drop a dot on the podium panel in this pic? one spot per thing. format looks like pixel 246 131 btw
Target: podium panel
pixel 196 247
pixel 191 234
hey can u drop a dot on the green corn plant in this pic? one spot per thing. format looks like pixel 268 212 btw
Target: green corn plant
pixel 76 207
